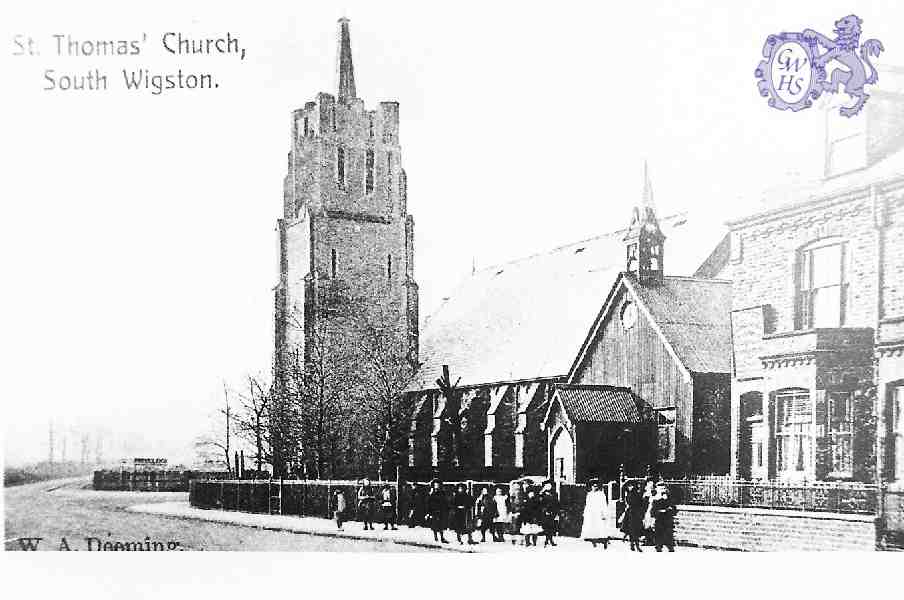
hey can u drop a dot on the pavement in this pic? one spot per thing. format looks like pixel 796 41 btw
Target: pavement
pixel 405 536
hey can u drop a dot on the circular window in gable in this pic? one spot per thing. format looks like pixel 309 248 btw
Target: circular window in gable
pixel 629 315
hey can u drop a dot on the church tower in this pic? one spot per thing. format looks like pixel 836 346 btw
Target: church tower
pixel 346 240
pixel 644 240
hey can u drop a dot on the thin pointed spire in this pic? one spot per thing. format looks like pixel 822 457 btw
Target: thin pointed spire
pixel 647 198
pixel 344 68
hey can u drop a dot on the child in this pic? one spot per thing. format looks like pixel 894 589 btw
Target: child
pixel 387 509
pixel 339 507
pixel 663 510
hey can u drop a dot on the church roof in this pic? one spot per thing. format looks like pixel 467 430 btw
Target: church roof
pixel 526 319
pixel 598 404
pixel 693 315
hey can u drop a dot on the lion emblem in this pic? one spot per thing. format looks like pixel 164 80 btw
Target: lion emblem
pixel 844 50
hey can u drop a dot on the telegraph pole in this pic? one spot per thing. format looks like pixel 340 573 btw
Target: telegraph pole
pixel 51 448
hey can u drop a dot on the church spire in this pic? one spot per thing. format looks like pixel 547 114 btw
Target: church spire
pixel 644 239
pixel 344 68
pixel 647 198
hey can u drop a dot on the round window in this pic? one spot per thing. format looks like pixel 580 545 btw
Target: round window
pixel 629 315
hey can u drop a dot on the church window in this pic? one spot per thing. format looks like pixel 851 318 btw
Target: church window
pixel 333 119
pixel 305 126
pixel 371 122
pixel 369 172
pixel 388 172
pixel 333 263
pixel 666 420
pixel 389 267
pixel 340 166
pixel 822 285
pixel 632 258
pixel 629 315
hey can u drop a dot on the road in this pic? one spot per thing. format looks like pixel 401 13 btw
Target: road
pixel 67 514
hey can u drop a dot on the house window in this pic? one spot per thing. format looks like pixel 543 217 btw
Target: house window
pixel 369 172
pixel 822 285
pixel 840 430
pixel 340 166
pixel 333 263
pixel 665 425
pixel 793 430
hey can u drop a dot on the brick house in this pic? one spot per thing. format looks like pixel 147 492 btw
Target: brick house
pixel 818 312
pixel 510 335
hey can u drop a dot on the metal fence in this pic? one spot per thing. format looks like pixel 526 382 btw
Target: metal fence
pixel 838 497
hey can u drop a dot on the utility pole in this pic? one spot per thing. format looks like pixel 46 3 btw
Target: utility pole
pixel 51 448
pixel 228 419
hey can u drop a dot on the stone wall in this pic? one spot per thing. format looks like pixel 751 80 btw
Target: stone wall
pixel 758 530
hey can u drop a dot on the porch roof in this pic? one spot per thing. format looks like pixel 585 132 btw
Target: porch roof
pixel 598 404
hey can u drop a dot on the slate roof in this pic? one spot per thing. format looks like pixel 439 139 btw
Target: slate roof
pixel 694 317
pixel 527 319
pixel 598 404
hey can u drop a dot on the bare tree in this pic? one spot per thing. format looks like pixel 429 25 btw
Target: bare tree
pixel 218 441
pixel 253 420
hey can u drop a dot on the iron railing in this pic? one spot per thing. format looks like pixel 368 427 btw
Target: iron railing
pixel 837 497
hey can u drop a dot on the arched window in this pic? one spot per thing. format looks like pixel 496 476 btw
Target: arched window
pixel 822 284
pixel 340 166
pixel 369 172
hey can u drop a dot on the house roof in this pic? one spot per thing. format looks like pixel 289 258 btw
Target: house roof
pixel 694 317
pixel 526 319
pixel 598 404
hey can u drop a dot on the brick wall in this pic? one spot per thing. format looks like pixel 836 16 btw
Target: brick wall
pixel 757 530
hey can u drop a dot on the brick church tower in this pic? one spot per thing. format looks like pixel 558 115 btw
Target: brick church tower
pixel 345 236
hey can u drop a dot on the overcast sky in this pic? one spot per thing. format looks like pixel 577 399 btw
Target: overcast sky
pixel 138 231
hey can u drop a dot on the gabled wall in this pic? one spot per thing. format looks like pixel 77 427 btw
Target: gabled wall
pixel 637 358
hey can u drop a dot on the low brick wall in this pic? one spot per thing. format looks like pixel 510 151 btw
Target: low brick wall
pixel 758 530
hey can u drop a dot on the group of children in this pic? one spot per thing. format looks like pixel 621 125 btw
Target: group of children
pixel 521 507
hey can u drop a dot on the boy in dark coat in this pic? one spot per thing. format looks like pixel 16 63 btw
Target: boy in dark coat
pixel 462 504
pixel 663 511
pixel 485 507
pixel 549 511
pixel 632 520
pixel 438 509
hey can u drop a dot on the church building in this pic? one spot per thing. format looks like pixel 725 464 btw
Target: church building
pixel 610 350
pixel 346 240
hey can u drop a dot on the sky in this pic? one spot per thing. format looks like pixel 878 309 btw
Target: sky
pixel 138 230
